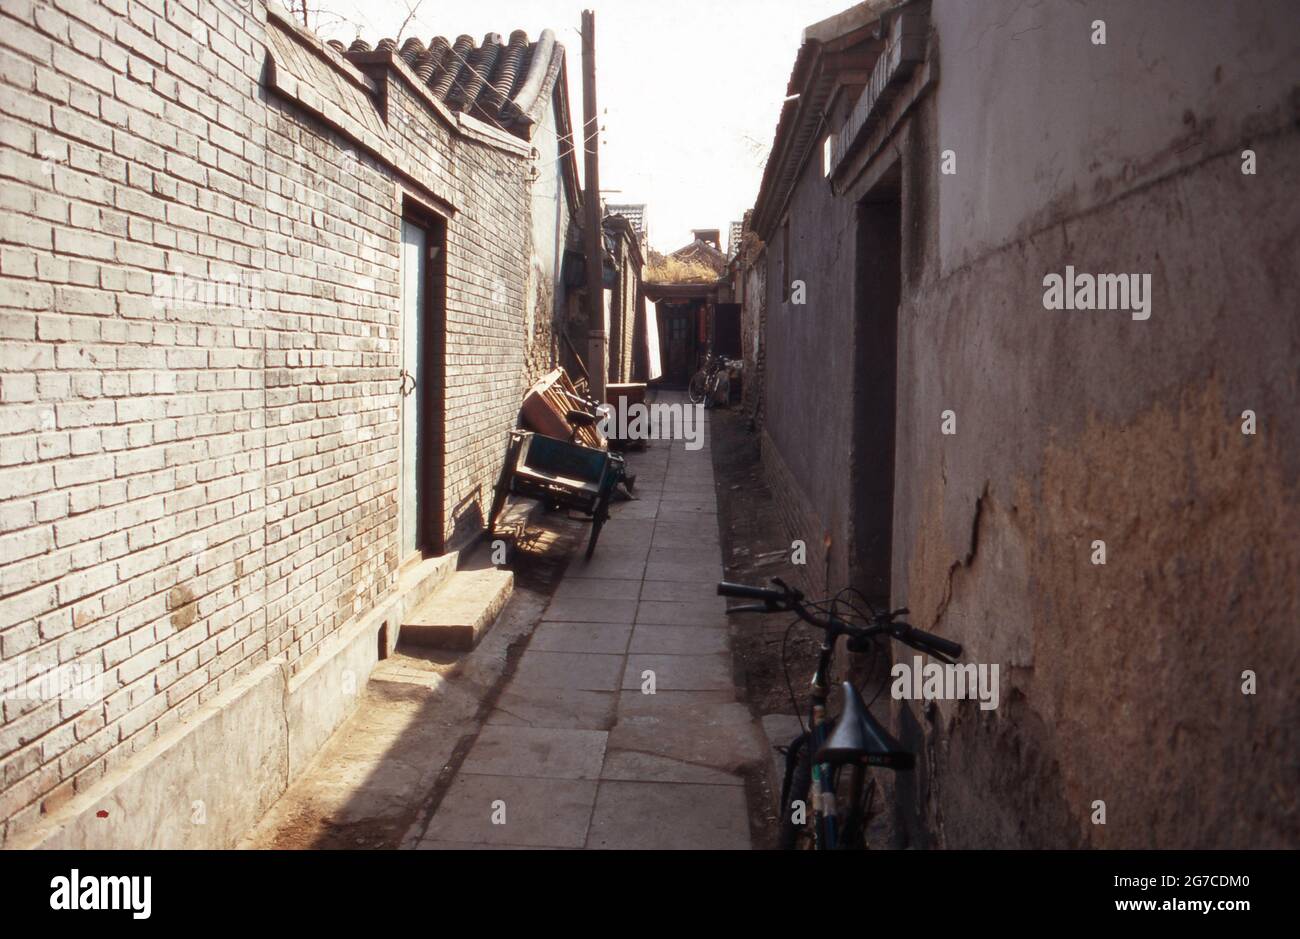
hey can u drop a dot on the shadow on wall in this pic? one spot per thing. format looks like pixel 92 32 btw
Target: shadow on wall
pixel 467 520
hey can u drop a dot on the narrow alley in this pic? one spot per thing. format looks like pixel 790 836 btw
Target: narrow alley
pixel 578 753
pixel 839 425
pixel 619 717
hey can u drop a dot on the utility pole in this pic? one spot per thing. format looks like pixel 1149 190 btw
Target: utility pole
pixel 597 333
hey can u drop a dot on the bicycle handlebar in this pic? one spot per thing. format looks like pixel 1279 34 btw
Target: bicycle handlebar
pixel 745 592
pixel 927 642
pixel 785 598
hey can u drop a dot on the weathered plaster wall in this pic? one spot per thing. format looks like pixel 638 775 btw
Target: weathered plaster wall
pixel 808 403
pixel 1120 682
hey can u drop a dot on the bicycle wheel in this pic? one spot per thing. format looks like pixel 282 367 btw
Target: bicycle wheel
pixel 722 391
pixel 698 388
pixel 798 831
pixel 853 820
pixel 796 818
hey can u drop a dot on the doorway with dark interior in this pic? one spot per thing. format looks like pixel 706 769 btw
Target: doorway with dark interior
pixel 423 308
pixel 677 327
pixel 877 292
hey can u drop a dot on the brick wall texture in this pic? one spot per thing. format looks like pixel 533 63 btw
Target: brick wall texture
pixel 199 350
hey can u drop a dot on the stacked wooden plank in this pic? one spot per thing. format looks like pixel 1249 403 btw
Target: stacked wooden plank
pixel 547 405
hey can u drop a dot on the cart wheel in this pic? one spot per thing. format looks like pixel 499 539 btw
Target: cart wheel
pixel 596 524
pixel 503 486
pixel 598 519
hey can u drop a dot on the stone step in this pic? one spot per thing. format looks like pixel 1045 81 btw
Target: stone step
pixel 457 614
pixel 417 582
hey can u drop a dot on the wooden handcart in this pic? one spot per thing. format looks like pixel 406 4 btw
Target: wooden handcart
pixel 561 474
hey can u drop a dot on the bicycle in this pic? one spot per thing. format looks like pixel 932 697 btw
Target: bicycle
pixel 816 759
pixel 712 383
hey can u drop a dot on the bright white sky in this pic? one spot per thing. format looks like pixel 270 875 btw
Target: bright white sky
pixel 690 90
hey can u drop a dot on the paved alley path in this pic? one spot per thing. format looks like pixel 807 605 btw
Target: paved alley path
pixel 576 755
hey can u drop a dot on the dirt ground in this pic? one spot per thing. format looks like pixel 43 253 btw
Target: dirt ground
pixel 774 659
pixel 755 549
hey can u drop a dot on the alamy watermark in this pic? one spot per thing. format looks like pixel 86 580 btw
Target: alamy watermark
pixel 658 421
pixel 1075 291
pixel 24 680
pixel 76 891
pixel 238 290
pixel 918 681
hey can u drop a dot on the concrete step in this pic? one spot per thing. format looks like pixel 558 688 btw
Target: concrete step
pixel 460 611
pixel 417 582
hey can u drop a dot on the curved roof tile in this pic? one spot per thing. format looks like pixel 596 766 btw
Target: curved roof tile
pixel 496 80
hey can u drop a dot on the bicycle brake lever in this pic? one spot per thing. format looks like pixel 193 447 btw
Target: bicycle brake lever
pixel 797 594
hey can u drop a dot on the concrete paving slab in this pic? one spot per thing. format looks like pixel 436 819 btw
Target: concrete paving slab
pixel 698 613
pixel 629 765
pixel 538 812
pixel 632 550
pixel 669 816
pixel 718 706
pixel 576 610
pixel 634 531
pixel 539 752
pixel 678 640
pixel 679 592
pixel 531 706
pixel 700 535
pixel 684 511
pixel 609 638
pixel 642 508
pixel 684 572
pixel 607 568
pixel 596 588
pixel 680 672
pixel 723 736
pixel 577 671
pixel 689 551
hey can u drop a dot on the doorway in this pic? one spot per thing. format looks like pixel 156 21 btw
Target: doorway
pixel 875 400
pixel 677 321
pixel 423 294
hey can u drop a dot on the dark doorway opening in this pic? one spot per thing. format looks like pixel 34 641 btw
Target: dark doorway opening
pixel 423 382
pixel 726 330
pixel 679 341
pixel 877 291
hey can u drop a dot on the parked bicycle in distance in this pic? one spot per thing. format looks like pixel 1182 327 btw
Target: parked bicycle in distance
pixel 712 383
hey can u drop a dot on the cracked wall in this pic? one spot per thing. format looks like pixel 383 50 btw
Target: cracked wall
pixel 1121 682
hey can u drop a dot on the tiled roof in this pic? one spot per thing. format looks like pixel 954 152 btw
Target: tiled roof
pixel 704 253
pixel 498 80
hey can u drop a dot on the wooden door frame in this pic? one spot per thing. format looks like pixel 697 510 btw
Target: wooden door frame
pixel 430 459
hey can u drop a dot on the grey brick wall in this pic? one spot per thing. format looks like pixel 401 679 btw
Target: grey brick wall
pixel 199 347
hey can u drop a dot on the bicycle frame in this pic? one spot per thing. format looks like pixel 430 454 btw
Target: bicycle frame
pixel 822 786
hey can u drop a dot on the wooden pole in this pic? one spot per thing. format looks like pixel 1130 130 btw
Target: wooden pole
pixel 597 334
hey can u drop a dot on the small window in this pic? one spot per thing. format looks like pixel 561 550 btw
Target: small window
pixel 828 147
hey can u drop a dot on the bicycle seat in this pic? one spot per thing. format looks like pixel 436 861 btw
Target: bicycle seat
pixel 860 738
